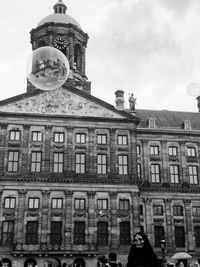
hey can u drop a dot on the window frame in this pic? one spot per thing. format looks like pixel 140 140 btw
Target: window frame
pixel 102 204
pixel 58 162
pixel 13 161
pixel 38 135
pixel 79 204
pixel 124 204
pixel 57 203
pixel 80 163
pixel 174 171
pixel 33 203
pixel 155 173
pixel 154 150
pixel 36 165
pixel 11 202
pixel 123 164
pixel 101 139
pixel 124 233
pixel 57 137
pixel 102 164
pixel 122 139
pixel 193 174
pixel 80 138
pixel 14 135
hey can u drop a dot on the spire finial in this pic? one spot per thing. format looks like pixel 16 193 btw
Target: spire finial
pixel 60 7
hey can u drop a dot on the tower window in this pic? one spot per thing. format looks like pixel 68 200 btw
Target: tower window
pixel 77 56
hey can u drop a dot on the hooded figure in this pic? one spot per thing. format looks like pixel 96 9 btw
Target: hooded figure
pixel 141 253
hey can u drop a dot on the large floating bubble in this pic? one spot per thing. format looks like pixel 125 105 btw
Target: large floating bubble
pixel 193 89
pixel 47 68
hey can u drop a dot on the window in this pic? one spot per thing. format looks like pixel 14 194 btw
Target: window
pixel 14 135
pixel 101 164
pixel 179 236
pixel 58 162
pixel 58 137
pixel 102 204
pixel 80 138
pixel 196 210
pixel 7 232
pixel 37 136
pixel 9 202
pixel 155 173
pixel 32 233
pixel 101 139
pixel 173 151
pixel 80 163
pixel 124 236
pixel 174 174
pixel 102 233
pixel 157 210
pixel 56 233
pixel 158 235
pixel 193 174
pixel 197 236
pixel 33 203
pixel 79 203
pixel 138 150
pixel 36 159
pixel 154 150
pixel 178 211
pixel 139 170
pixel 79 233
pixel 191 152
pixel 141 210
pixel 13 161
pixel 152 123
pixel 122 140
pixel 123 164
pixel 124 204
pixel 57 203
pixel 187 125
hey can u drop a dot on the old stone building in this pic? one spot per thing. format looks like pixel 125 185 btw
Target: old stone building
pixel 79 176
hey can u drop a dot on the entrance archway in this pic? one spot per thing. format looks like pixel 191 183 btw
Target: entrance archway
pixel 79 262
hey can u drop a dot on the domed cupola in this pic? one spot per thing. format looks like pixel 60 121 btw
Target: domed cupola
pixel 63 32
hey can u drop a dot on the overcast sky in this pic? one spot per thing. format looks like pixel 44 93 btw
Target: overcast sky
pixel 147 47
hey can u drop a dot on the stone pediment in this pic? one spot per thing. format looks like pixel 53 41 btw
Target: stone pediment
pixel 60 102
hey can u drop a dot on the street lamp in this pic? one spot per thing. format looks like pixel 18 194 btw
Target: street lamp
pixel 162 245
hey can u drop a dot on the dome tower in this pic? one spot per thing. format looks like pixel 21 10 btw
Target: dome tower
pixel 63 32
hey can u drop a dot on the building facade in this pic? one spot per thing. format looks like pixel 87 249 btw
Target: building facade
pixel 78 176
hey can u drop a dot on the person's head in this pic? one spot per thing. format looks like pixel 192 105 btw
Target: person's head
pixel 112 256
pixel 181 264
pixel 102 260
pixel 139 240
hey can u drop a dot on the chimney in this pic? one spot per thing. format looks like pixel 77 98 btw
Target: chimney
pixel 119 101
pixel 198 102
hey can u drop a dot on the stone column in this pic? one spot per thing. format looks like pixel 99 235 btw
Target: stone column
pixel 45 229
pixel 135 212
pixel 3 145
pixel 112 152
pixel 20 231
pixel 148 219
pixel 68 157
pixel 169 223
pixel 91 155
pixel 133 156
pixel 113 221
pixel 25 149
pixel 1 212
pixel 188 223
pixel 46 158
pixel 68 221
pixel 183 170
pixel 146 159
pixel 91 219
pixel 164 159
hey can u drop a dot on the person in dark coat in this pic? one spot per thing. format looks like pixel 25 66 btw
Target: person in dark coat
pixel 141 253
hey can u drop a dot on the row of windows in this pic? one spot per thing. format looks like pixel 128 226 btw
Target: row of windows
pixel 172 151
pixel 56 233
pixel 174 173
pixel 59 137
pixel 58 162
pixel 57 203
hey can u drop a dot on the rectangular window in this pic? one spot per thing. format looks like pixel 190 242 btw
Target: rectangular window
pixel 80 163
pixel 155 173
pixel 123 164
pixel 191 152
pixel 193 174
pixel 36 161
pixel 79 203
pixel 174 174
pixel 122 140
pixel 178 211
pixel 141 210
pixel 101 139
pixel 124 204
pixel 33 203
pixel 57 203
pixel 124 235
pixel 158 235
pixel 179 236
pixel 138 150
pixel 9 202
pixel 14 135
pixel 173 151
pixel 79 233
pixel 13 161
pixel 58 162
pixel 196 211
pixel 56 233
pixel 37 136
pixel 59 137
pixel 154 150
pixel 139 170
pixel 157 210
pixel 7 232
pixel 102 204
pixel 101 164
pixel 197 236
pixel 80 138
pixel 102 233
pixel 32 233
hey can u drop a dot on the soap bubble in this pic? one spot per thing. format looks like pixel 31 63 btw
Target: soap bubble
pixel 47 68
pixel 193 89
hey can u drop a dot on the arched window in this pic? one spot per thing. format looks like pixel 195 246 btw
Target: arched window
pixel 77 56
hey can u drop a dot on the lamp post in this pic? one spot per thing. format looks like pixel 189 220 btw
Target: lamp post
pixel 162 245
